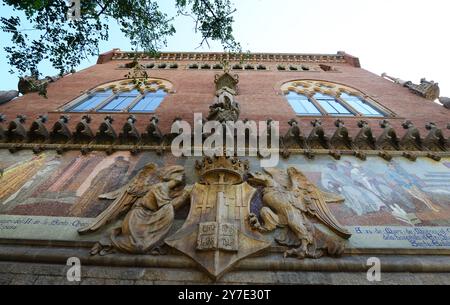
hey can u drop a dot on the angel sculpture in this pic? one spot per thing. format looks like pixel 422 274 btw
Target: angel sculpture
pixel 291 201
pixel 150 201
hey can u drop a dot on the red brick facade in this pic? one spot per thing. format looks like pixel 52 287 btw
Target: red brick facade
pixel 259 94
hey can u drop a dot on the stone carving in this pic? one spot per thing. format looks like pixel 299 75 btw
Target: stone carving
pixel 365 139
pixel 291 202
pixel 228 82
pixel 388 139
pixel 220 230
pixel 292 139
pixel 130 134
pixel 427 89
pixel 16 130
pixel 30 84
pixel 106 133
pixel 60 132
pixel 341 138
pixel 225 108
pixel 216 235
pixel 169 137
pixel 38 133
pixel 154 136
pixel 149 202
pixel 317 138
pixel 435 140
pixel 340 141
pixel 411 140
pixel 83 133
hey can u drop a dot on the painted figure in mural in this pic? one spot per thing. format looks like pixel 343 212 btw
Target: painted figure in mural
pixel 17 175
pixel 20 181
pixel 292 201
pixel 409 183
pixel 105 180
pixel 351 183
pixel 149 202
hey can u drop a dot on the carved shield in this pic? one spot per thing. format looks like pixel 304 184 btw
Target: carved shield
pixel 216 233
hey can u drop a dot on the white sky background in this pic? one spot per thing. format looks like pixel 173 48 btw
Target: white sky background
pixel 409 39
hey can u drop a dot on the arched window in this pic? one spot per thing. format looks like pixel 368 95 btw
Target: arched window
pixel 315 98
pixel 122 96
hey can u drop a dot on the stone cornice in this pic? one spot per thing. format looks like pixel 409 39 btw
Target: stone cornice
pixel 117 54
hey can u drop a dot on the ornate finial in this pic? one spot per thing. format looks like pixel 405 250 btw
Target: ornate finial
pixel 426 89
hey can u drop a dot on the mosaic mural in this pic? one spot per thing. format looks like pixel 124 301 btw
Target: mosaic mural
pixel 377 192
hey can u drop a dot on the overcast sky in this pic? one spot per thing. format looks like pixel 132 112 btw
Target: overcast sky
pixel 409 39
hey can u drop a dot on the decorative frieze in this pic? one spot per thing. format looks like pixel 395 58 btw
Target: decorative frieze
pixel 61 138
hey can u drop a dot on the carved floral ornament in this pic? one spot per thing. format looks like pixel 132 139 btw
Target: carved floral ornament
pixel 150 85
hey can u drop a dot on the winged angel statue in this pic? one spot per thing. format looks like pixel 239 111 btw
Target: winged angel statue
pixel 292 202
pixel 149 201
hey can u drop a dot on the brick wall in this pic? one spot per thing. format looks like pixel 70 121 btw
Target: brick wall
pixel 259 96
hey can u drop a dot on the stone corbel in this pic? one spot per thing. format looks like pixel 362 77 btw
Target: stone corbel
pixel 411 141
pixel 292 139
pixel 435 140
pixel 17 132
pixel 38 133
pixel 388 140
pixel 317 138
pixel 61 133
pixel 169 137
pixel 130 134
pixel 153 135
pixel 106 134
pixel 341 138
pixel 83 133
pixel 365 139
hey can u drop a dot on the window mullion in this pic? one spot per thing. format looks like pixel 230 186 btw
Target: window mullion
pixel 346 105
pixel 135 101
pixel 75 103
pixel 104 103
pixel 317 104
